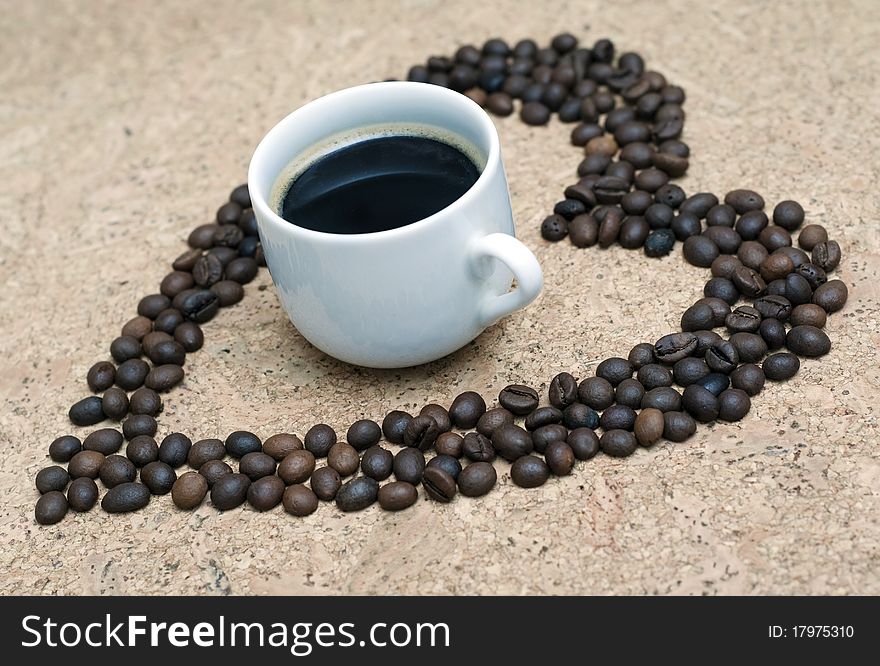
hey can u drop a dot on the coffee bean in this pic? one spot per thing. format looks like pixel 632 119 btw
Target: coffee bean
pixel 512 442
pixel 190 336
pixel 63 448
pixel 583 442
pixel 131 374
pixel 714 382
pixel 700 403
pixel 363 434
pixel 726 240
pixel 325 483
pixel 230 491
pixel 114 403
pixel 752 254
pixel 152 339
pixel 158 477
pixel 744 318
pixel 697 317
pixel 207 270
pixel 629 393
pixel 174 449
pixel 492 419
pixel 808 315
pixel 749 378
pixel 788 215
pixel 542 436
pixel 164 377
pixel 450 444
pixel 688 370
pixel 202 237
pixel 541 417
pixel 529 472
pixel 50 508
pixel 733 405
pixel 478 447
pixel 724 266
pixel 421 433
pixel 205 450
pixel 228 213
pixel 466 409
pixel 139 424
pixel 394 425
pixel 773 333
pixel 145 401
pixel 581 191
pixel 534 113
pixel 618 417
pixel 101 376
pixel 397 495
pixel 296 467
pixel 265 493
pixel 582 416
pixel 377 463
pixel 674 347
pixel 213 470
pixel 86 412
pixel 639 356
pixel 409 464
pixel 199 305
pixel 85 463
pixel 319 439
pixel 749 281
pixel 440 416
pixel 256 464
pixel 104 440
pixel 228 292
pixel 831 296
pixel 186 262
pixel 142 450
pixel 808 341
pixel 596 392
pixel 82 494
pixel 585 131
pixel 560 458
pixel 750 225
pixel 678 426
pixel 781 366
pixel 477 479
pixel 280 445
pixel 357 494
pixel 774 238
pixel 52 478
pixel 773 307
pixel 649 426
pixel 664 398
pixel 722 357
pixel 301 501
pixel 811 235
pixel 617 443
pixel 687 225
pixel 659 243
pixel 614 370
pixel 344 458
pixel 126 497
pixel 150 306
pixel 439 485
pixel 826 255
pixel 814 275
pixel 518 399
pixel 743 201
pixel 653 375
pixel 723 288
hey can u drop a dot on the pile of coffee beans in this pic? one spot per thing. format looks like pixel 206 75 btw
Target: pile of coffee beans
pixel 763 308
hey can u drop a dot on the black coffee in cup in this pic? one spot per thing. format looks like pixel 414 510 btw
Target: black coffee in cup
pixel 377 184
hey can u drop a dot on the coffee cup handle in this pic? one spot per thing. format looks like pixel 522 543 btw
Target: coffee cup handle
pixel 521 262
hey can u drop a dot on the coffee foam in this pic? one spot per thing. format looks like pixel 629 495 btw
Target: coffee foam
pixel 334 142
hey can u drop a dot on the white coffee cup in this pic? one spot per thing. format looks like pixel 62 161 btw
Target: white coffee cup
pixel 409 295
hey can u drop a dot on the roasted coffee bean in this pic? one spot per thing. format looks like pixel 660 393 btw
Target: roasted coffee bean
pixel 477 479
pixel 529 472
pixel 783 365
pixel 687 225
pixel 139 424
pixel 227 235
pixel 150 306
pixel 569 208
pixel 174 449
pixel 466 410
pixel 808 341
pixel 50 508
pixel 776 266
pixel 344 458
pixel 319 439
pixel 205 450
pixel 725 238
pixel 814 275
pixel 439 485
pixel 190 336
pixel 363 434
pixel 749 281
pixel 421 433
pixel 477 447
pixel 142 450
pixel 748 377
pixel 126 497
pixel 164 377
pixel 86 412
pixel 596 393
pixel 618 443
pixel 228 213
pixel 167 352
pixel 750 225
pixel 187 260
pixel 618 417
pixel 733 405
pixel 629 393
pixel 609 228
pixel 131 374
pixel 723 288
pixel 584 443
pixel 750 347
pixel 325 483
pixel 265 493
pixel 554 228
pixel 724 266
pixel 678 426
pixel 831 296
pixel 397 495
pixel 582 416
pixel 743 201
pixel 409 465
pixel 104 440
pixel 145 401
pixel 63 448
pixel 213 470
pixel 614 370
pixel 230 491
pixel 826 255
pixel 773 307
pixel 586 131
pixel 808 315
pixel 774 238
pixel 297 466
pixel 811 235
pixel 137 328
pixel 202 237
pixel 518 399
pixel 705 339
pixel 85 463
pixel 101 376
pixel 542 416
pixel 492 419
pixel 512 442
pixel 560 458
pixel 257 464
pixel 280 445
pixel 722 357
pixel 158 477
pixel 224 254
pixel 208 270
pixel 752 254
pixel 152 339
pixel 546 434
pixel 563 390
pixel 697 317
pixel 440 416
pixel 377 463
pixel 659 243
pixel 714 382
pixel 300 500
pixel 228 292
pixel 52 478
pixel 125 347
pixel 649 426
pixel 534 113
pixel 773 333
pixel 689 370
pixel 744 318
pixel 82 494
pixel 394 424
pixel 653 375
pixel 664 398
pixel 171 285
pixel 674 347
pixel 450 444
pixel 788 215
pixel 700 403
pixel 357 494
pixel 639 356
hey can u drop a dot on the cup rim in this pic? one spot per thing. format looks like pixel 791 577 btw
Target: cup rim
pixel 344 97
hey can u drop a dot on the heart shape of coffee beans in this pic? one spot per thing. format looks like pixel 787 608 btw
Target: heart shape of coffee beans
pixel 629 122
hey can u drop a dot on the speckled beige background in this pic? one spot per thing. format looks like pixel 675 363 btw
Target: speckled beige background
pixel 123 125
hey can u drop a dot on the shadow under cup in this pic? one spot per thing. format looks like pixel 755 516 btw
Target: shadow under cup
pixel 393 298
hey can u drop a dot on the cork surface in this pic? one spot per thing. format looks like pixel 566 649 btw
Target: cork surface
pixel 123 128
